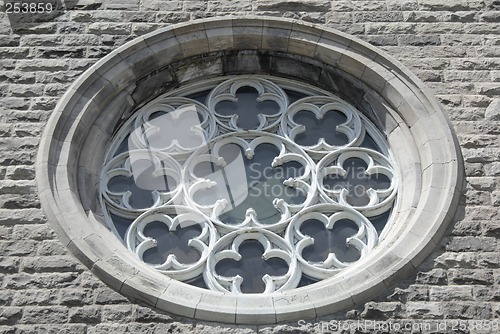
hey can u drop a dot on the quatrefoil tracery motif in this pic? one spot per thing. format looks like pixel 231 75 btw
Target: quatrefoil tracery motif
pixel 248 179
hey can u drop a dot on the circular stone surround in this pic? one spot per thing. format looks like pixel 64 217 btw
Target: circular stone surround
pixel 80 129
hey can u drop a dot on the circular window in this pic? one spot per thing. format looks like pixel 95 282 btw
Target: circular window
pixel 248 185
pixel 249 170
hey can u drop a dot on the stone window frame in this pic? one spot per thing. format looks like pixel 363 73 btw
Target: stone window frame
pixel 80 129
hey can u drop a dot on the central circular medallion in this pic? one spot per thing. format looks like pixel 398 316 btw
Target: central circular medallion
pixel 248 185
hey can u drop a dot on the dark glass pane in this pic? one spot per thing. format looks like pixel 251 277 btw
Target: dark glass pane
pixel 263 184
pixel 121 224
pixel 380 221
pixel 356 182
pixel 252 267
pixel 123 146
pixel 200 96
pixel 330 241
pixel 171 242
pixel 199 282
pixel 294 96
pixel 247 108
pixel 320 128
pixel 304 280
pixel 368 142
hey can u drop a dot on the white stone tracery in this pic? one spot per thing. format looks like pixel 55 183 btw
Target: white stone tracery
pixel 201 135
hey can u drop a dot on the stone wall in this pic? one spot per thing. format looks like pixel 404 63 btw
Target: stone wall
pixel 453 46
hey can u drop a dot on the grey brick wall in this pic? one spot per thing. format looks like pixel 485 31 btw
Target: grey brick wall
pixel 453 46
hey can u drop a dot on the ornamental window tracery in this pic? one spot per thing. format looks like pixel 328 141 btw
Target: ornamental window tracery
pixel 248 185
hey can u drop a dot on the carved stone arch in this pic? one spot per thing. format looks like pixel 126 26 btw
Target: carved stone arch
pixel 419 135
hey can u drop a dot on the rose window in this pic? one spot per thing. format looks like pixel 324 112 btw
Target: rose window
pixel 248 185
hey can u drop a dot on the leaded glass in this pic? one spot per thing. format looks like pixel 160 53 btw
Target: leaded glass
pixel 249 184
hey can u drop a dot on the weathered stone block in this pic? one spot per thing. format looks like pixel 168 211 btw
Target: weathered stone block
pixel 72 297
pixel 44 315
pixel 9 265
pixel 108 296
pixel 468 276
pixel 35 297
pixel 451 292
pixel 117 313
pixel 86 314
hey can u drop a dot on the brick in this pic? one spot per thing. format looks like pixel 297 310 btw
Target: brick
pixel 87 4
pixel 35 297
pixel 423 16
pixel 148 315
pixel 6 297
pixel 75 297
pixel 466 310
pixel 17 103
pixel 42 103
pixel 61 329
pixel 20 90
pixel 390 28
pixel 488 89
pixel 5 131
pixel 40 280
pixel 435 276
pixel 235 6
pixel 488 260
pixel 489 294
pixel 5 231
pixel 9 265
pixel 108 28
pixel 37 65
pixel 414 292
pixel 402 5
pixel 60 52
pixel 18 247
pixel 6 40
pixel 117 313
pixel 41 40
pixel 416 40
pixel 20 172
pixel 122 4
pixel 89 281
pixel 471 141
pixel 451 292
pixel 17 77
pixel 108 296
pixel 492 169
pixel 423 310
pixel 292 5
pixel 493 110
pixel 378 17
pixel 23 187
pixel 381 311
pixel 456 260
pixel 50 248
pixel 491 228
pixel 85 314
pixel 15 52
pixel 36 28
pixel 470 277
pixel 482 183
pixel 381 40
pixel 71 28
pixel 44 315
pixel 453 6
pixel 34 232
pixel 10 315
